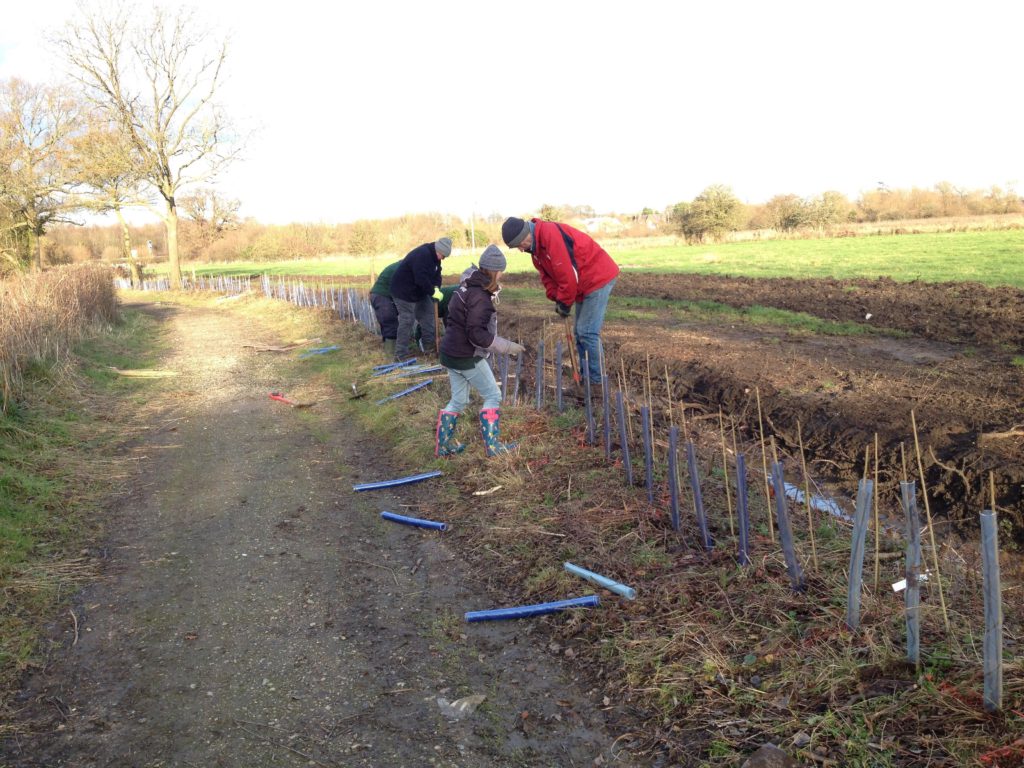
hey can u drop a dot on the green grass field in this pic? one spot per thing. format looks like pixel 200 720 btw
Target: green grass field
pixel 989 257
pixel 992 258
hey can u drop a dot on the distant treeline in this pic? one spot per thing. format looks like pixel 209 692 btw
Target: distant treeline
pixel 211 231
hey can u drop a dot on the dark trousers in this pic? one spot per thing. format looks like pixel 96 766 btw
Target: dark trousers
pixel 410 313
pixel 387 315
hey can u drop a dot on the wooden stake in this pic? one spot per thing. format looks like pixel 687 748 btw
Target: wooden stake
pixel 807 495
pixel 903 461
pixel 725 471
pixel 650 405
pixel 573 356
pixel 992 488
pixel 878 529
pixel 764 466
pixel 931 529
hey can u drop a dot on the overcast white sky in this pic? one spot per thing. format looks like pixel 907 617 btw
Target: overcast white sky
pixel 377 108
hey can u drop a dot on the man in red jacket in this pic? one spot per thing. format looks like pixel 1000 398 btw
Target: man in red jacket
pixel 574 270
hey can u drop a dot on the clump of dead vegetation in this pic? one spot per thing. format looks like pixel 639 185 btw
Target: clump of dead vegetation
pixel 42 314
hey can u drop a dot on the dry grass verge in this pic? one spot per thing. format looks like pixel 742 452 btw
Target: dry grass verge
pixel 42 314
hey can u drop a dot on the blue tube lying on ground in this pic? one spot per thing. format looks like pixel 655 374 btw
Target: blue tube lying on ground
pixel 405 392
pixel 396 481
pixel 602 581
pixel 414 521
pixel 381 370
pixel 418 371
pixel 320 351
pixel 525 611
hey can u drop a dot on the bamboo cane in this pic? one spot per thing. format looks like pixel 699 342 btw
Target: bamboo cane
pixel 807 496
pixel 725 471
pixel 764 466
pixel 931 529
pixel 650 406
pixel 625 399
pixel 668 390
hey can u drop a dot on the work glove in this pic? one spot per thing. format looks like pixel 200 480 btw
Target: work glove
pixel 503 346
pixel 563 310
pixel 438 296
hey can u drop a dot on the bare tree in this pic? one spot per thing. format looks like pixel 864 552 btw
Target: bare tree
pixel 37 125
pixel 156 79
pixel 211 216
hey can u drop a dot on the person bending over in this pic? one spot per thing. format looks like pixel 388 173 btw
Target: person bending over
pixel 414 286
pixel 574 270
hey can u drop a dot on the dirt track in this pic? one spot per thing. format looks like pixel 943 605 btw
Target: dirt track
pixel 256 611
pixel 954 368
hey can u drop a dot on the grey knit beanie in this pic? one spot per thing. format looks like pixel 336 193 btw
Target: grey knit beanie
pixel 492 259
pixel 514 231
pixel 443 246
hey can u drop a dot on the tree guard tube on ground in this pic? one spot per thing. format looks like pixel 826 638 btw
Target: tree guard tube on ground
pixel 602 581
pixel 397 481
pixel 405 392
pixel 525 611
pixel 415 522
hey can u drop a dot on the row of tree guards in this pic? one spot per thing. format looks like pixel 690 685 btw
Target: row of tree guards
pixel 353 304
pixel 776 493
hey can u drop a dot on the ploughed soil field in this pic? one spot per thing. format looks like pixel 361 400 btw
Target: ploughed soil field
pixel 951 353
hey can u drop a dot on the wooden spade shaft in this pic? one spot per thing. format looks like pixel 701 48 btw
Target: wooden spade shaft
pixel 437 330
pixel 572 352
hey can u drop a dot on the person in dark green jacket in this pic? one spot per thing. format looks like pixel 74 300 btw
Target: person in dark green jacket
pixel 384 308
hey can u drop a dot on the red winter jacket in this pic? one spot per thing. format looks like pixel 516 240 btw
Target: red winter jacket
pixel 568 278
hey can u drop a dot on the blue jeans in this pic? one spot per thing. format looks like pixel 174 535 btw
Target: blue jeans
pixel 479 377
pixel 589 319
